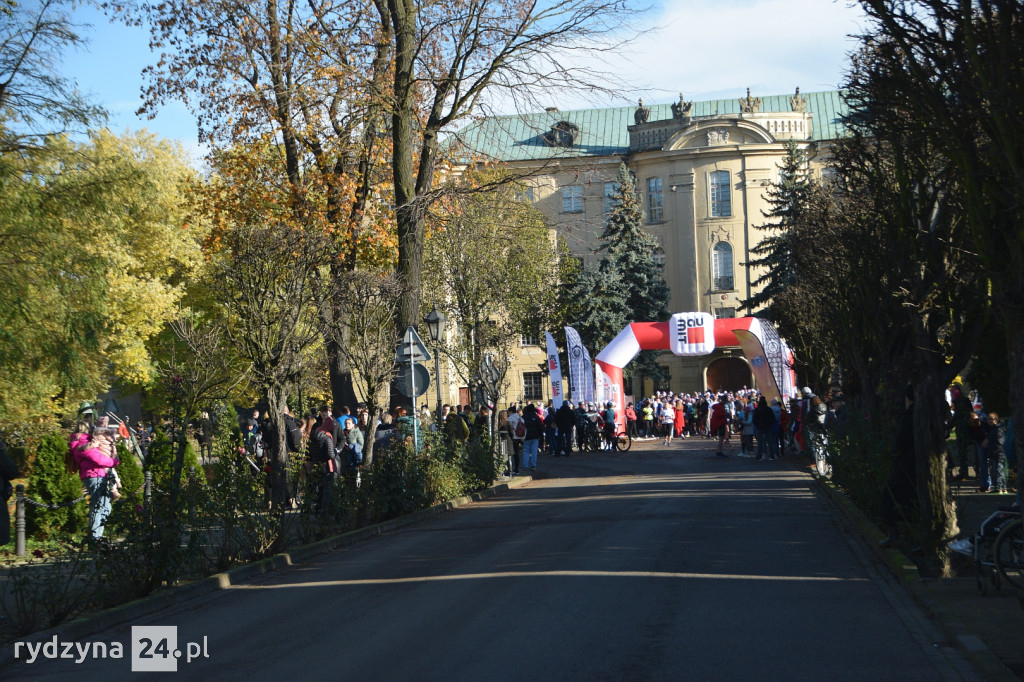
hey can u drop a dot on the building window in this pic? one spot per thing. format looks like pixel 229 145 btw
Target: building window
pixel 533 386
pixel 525 195
pixel 658 257
pixel 572 199
pixel 655 210
pixel 525 340
pixel 721 266
pixel 721 197
pixel 725 312
pixel 610 190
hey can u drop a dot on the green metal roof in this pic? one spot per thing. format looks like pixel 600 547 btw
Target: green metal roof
pixel 603 132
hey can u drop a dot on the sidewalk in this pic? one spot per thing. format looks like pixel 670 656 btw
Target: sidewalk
pixel 988 628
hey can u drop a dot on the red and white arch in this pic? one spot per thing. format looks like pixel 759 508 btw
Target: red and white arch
pixel 694 334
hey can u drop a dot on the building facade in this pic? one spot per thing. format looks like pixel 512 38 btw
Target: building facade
pixel 702 169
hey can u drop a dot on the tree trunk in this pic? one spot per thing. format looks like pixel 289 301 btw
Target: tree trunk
pixel 938 516
pixel 277 447
pixel 370 436
pixel 342 389
pixel 403 15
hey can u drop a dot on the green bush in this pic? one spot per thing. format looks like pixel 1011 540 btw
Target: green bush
pixel 481 464
pixel 862 461
pixel 51 483
pixel 160 461
pixel 396 484
pixel 446 480
pixel 128 470
pixel 235 503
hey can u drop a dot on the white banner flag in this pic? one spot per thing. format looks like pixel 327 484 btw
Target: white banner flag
pixel 581 375
pixel 554 371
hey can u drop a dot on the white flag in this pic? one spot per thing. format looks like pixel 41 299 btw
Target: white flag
pixel 581 375
pixel 554 371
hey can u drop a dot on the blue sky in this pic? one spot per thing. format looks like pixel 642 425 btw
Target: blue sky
pixel 109 70
pixel 707 50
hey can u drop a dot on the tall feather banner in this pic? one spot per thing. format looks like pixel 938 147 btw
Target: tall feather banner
pixel 581 373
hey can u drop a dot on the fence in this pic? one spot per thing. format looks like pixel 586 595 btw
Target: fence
pixel 22 501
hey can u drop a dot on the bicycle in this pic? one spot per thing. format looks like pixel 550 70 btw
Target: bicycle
pixel 998 551
pixel 818 443
pixel 622 441
pixel 1008 552
pixel 590 439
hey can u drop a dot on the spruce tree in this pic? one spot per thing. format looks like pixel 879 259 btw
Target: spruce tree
pixel 788 200
pixel 628 285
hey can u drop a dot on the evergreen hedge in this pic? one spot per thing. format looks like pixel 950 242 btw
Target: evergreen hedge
pixel 51 483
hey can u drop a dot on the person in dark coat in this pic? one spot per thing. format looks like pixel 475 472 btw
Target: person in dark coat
pixel 764 421
pixel 565 422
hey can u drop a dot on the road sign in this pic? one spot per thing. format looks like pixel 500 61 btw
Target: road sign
pixel 405 376
pixel 402 355
pixel 412 346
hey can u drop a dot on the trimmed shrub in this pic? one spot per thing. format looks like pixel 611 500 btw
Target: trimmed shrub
pixel 160 461
pixel 129 471
pixel 51 483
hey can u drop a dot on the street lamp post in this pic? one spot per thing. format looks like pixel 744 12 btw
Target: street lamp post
pixel 435 325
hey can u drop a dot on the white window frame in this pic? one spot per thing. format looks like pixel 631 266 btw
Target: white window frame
pixel 655 201
pixel 610 190
pixel 722 271
pixel 719 194
pixel 572 199
pixel 534 390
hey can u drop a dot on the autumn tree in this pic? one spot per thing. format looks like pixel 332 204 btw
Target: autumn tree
pixel 268 272
pixel 99 254
pixel 920 147
pixel 368 302
pixel 957 69
pixel 878 276
pixel 304 82
pixel 36 99
pixel 449 58
pixel 198 368
pixel 490 268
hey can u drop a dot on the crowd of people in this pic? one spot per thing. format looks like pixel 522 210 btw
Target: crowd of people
pixel 333 445
pixel 764 430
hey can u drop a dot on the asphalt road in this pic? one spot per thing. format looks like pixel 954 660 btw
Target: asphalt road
pixel 653 565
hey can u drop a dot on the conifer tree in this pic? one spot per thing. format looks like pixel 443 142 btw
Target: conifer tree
pixel 788 200
pixel 628 285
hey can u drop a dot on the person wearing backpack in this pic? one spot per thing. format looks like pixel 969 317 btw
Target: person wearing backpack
pixel 518 429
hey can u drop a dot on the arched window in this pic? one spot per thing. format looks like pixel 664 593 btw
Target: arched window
pixel 721 266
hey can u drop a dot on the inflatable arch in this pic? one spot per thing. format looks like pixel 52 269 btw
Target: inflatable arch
pixel 693 334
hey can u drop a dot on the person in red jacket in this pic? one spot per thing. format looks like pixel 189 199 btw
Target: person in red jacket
pixel 719 424
pixel 631 421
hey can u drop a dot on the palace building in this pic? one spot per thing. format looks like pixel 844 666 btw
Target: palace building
pixel 702 170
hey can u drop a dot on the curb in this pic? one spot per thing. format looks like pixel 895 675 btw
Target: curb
pixel 905 571
pixel 89 625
